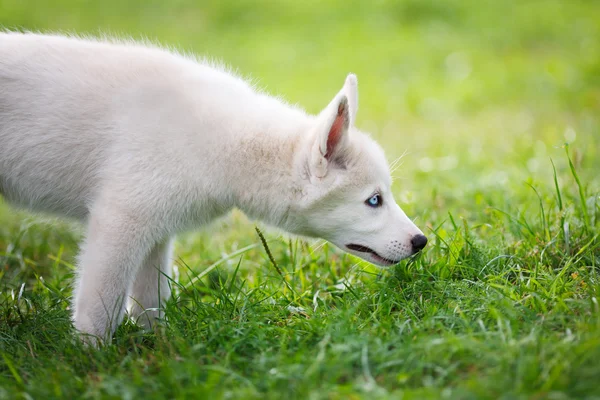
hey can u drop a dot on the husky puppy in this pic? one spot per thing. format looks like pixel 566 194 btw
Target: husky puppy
pixel 141 143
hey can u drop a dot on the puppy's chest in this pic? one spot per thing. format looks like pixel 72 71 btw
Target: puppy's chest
pixel 200 212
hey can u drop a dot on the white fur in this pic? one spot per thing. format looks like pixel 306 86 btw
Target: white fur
pixel 142 144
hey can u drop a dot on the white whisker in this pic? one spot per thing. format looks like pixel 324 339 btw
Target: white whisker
pixel 397 162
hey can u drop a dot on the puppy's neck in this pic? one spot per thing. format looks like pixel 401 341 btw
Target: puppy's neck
pixel 267 175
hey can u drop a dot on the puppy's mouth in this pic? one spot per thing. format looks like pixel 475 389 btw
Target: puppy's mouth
pixel 372 253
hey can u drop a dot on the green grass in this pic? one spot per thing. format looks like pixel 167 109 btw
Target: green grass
pixel 481 95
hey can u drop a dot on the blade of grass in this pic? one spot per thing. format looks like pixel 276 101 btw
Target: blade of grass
pixel 586 219
pixel 221 261
pixel 272 259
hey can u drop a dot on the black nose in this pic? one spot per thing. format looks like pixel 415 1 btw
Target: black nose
pixel 418 242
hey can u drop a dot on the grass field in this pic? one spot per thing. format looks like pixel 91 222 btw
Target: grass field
pixel 481 98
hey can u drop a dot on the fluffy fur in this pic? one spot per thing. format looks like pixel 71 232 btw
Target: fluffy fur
pixel 141 143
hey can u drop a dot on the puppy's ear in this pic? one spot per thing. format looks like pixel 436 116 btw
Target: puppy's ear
pixel 351 90
pixel 331 134
pixel 332 127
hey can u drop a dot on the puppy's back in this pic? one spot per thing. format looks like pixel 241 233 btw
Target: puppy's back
pixel 60 103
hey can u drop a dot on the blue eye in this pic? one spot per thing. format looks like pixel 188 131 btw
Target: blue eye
pixel 374 201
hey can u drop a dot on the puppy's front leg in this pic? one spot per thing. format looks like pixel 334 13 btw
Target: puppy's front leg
pixel 113 252
pixel 152 286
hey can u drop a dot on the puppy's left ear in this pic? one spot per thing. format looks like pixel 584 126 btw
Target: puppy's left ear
pixel 332 127
pixel 331 135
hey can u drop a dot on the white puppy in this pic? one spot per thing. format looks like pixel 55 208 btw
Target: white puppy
pixel 142 144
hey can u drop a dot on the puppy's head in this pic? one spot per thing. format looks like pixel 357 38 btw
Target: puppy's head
pixel 346 193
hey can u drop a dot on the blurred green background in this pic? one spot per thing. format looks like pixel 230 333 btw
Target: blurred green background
pixel 477 96
pixel 482 90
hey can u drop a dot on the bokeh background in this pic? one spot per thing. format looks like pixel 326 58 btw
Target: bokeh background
pixel 478 97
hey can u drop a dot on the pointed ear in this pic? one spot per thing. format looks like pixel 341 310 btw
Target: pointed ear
pixel 332 131
pixel 351 90
pixel 338 129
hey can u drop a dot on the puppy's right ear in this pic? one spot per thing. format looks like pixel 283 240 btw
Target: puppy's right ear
pixel 351 90
pixel 331 135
